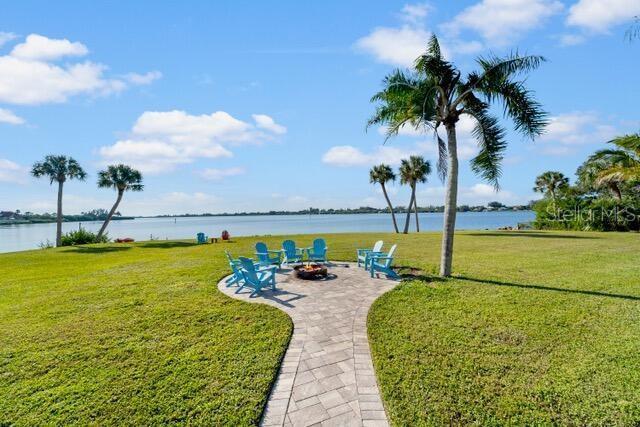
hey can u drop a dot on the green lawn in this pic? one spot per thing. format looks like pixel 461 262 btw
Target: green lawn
pixel 538 328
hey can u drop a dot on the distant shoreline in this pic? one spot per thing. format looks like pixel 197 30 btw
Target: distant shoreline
pixel 336 212
pixel 78 218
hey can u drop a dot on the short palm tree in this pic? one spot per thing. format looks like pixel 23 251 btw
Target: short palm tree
pixel 551 183
pixel 58 169
pixel 121 178
pixel 382 174
pixel 435 94
pixel 412 171
pixel 589 176
pixel 623 161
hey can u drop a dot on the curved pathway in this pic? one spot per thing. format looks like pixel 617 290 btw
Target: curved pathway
pixel 327 376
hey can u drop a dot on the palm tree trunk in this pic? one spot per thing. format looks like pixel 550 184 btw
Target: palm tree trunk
pixel 111 212
pixel 59 216
pixel 616 191
pixel 451 203
pixel 415 207
pixel 406 222
pixel 393 215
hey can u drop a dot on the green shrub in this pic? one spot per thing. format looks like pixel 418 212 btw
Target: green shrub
pixel 82 237
pixel 588 214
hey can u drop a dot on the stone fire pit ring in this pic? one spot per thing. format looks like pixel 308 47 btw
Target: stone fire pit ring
pixel 311 272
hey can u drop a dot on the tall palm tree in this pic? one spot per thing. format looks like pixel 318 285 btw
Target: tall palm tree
pixel 382 174
pixel 624 161
pixel 434 94
pixel 412 171
pixel 121 178
pixel 589 176
pixel 58 169
pixel 551 183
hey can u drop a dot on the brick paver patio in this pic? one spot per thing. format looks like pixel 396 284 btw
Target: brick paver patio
pixel 326 377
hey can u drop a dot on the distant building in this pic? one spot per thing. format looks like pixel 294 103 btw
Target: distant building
pixel 8 215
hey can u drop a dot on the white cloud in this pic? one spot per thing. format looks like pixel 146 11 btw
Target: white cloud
pixel 11 172
pixel 395 46
pixel 40 48
pixel 143 79
pixel 347 156
pixel 415 13
pixel 7 116
pixel 400 46
pixel 571 39
pixel 500 21
pixel 6 37
pixel 29 77
pixel 600 15
pixel 267 123
pixel 577 128
pixel 477 194
pixel 220 174
pixel 161 140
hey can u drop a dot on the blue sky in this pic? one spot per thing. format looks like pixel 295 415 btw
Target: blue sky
pixel 238 105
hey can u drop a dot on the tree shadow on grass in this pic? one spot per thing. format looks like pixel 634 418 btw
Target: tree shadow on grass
pixel 96 250
pixel 166 245
pixel 532 234
pixel 408 273
pixel 548 288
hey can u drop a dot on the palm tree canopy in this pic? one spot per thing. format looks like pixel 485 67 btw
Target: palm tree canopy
pixel 58 168
pixel 623 161
pixel 550 182
pixel 381 174
pixel 120 177
pixel 414 170
pixel 434 93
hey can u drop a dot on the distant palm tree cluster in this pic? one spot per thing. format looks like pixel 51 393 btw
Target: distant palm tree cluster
pixel 60 168
pixel 609 177
pixel 612 172
pixel 412 171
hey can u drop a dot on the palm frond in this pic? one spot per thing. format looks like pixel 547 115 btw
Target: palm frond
pixel 490 137
pixel 519 104
pixel 443 155
pixel 503 68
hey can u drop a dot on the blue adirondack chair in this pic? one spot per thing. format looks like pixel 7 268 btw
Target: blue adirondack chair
pixel 291 253
pixel 382 263
pixel 256 279
pixel 318 252
pixel 202 238
pixel 236 267
pixel 365 254
pixel 267 257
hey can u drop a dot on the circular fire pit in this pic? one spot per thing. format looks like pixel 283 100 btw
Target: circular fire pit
pixel 311 272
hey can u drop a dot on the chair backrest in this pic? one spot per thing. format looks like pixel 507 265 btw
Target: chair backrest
pixel 377 247
pixel 289 247
pixel 248 269
pixel 389 260
pixel 234 264
pixel 319 246
pixel 261 248
pixel 200 236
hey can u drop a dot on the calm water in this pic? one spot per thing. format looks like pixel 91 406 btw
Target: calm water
pixel 28 236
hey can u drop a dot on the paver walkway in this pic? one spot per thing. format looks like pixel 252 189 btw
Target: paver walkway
pixel 326 377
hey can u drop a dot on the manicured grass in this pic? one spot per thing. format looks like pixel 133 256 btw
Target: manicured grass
pixel 536 329
pixel 135 335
